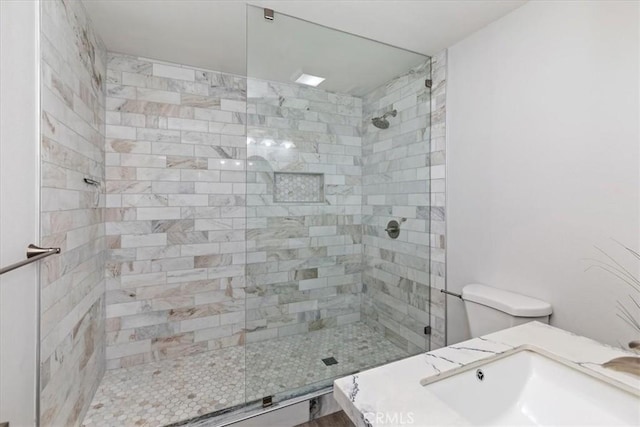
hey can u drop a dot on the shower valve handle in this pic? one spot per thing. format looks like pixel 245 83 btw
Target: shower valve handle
pixel 393 229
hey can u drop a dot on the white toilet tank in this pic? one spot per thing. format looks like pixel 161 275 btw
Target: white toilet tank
pixel 491 309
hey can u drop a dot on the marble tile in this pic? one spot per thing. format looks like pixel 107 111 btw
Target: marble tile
pixel 294 185
pixel 72 285
pixel 164 392
pixel 166 173
pixel 396 389
pixel 396 271
pixel 195 223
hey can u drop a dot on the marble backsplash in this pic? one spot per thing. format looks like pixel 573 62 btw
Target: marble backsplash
pixel 72 341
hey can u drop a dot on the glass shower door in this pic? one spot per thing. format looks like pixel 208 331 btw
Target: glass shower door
pixel 329 291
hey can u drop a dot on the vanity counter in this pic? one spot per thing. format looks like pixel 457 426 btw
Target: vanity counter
pixel 392 394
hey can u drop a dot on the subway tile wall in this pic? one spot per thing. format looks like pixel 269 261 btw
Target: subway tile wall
pixel 176 182
pixel 303 258
pixel 175 210
pixel 199 255
pixel 178 168
pixel 72 347
pixel 178 223
pixel 396 182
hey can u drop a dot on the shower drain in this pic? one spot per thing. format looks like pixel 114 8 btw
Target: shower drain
pixel 330 361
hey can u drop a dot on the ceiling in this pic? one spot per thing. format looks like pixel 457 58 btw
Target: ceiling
pixel 212 34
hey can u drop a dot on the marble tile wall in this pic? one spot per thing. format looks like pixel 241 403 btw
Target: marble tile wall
pixel 303 259
pixel 176 157
pixel 175 210
pixel 73 69
pixel 396 181
pixel 187 185
pixel 437 218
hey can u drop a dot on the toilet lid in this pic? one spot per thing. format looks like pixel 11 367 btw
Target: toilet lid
pixel 508 302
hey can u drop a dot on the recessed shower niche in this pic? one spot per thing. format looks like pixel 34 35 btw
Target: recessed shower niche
pixel 289 187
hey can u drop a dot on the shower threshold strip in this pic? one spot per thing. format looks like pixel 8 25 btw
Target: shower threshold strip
pixel 247 411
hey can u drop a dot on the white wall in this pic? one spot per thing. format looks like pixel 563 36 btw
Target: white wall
pixel 543 159
pixel 19 207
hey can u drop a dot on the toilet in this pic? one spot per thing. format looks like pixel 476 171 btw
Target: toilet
pixel 491 309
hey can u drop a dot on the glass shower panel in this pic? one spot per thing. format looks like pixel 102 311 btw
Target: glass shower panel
pixel 329 292
pixel 437 229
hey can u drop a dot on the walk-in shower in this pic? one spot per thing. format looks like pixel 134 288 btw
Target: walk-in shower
pixel 242 227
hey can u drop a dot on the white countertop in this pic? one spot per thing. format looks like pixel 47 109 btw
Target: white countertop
pixel 391 395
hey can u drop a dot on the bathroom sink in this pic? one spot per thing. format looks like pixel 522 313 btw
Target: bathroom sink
pixel 526 387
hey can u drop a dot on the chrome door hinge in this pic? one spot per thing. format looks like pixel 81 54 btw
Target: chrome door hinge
pixel 267 401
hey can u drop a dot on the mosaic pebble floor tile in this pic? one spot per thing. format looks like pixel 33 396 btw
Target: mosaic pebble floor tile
pixel 294 362
pixel 168 391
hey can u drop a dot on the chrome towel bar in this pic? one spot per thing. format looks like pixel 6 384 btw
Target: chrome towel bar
pixel 34 253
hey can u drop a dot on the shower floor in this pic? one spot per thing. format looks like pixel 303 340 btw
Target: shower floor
pixel 169 391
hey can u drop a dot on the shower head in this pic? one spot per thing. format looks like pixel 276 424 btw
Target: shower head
pixel 382 122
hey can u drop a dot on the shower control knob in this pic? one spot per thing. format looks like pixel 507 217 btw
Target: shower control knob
pixel 393 229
